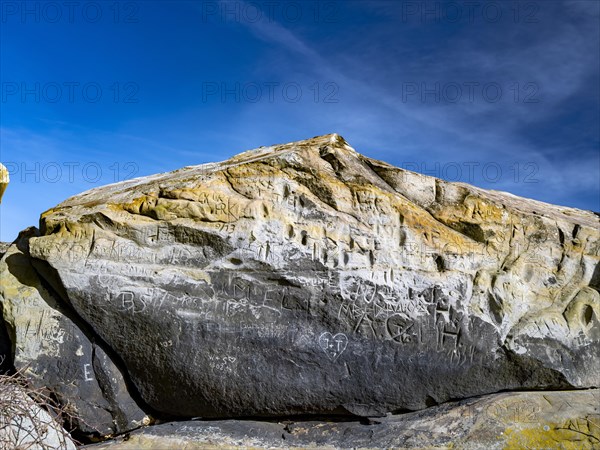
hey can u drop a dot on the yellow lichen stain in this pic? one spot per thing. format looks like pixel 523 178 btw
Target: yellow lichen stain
pixel 437 235
pixel 133 207
pixel 47 213
pixel 576 434
pixel 480 210
pixel 141 205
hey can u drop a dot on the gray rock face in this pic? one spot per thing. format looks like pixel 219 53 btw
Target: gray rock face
pixel 308 279
pixel 52 351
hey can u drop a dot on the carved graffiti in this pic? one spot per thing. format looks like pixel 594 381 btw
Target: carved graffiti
pixel 429 318
pixel 87 372
pixel 221 363
pixel 129 302
pixel 333 346
pixel 400 328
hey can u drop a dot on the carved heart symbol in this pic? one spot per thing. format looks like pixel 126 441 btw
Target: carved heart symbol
pixel 333 346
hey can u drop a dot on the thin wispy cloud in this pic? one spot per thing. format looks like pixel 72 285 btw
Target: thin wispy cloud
pixel 522 59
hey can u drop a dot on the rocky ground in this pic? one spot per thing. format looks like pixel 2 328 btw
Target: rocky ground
pixel 523 420
pixel 307 280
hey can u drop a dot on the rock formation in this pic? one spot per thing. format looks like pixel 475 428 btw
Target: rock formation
pixel 4 179
pixel 54 352
pixel 298 279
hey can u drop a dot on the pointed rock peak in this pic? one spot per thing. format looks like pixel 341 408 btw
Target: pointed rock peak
pixel 329 141
pixel 325 139
pixel 304 153
pixel 333 139
pixel 315 143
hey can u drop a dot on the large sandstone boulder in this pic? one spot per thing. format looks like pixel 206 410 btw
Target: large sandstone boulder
pixel 308 279
pixel 52 348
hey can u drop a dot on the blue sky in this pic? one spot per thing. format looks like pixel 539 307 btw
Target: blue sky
pixel 500 94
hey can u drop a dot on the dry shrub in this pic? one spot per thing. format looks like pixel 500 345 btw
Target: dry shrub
pixel 30 418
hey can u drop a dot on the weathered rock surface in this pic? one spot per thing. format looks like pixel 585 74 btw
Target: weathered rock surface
pixel 4 180
pixel 52 351
pixel 3 247
pixel 308 279
pixel 535 420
